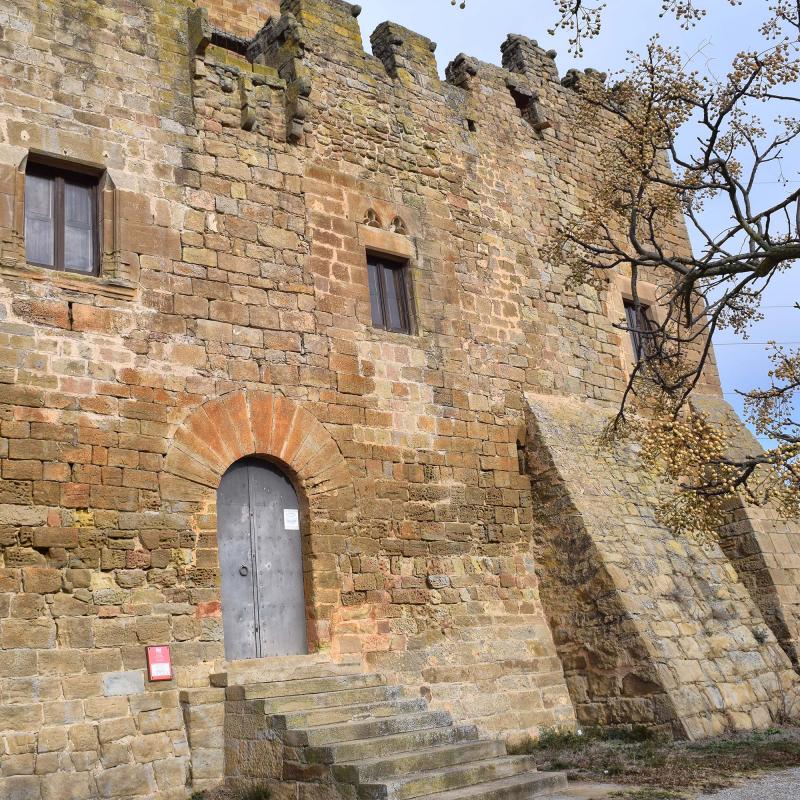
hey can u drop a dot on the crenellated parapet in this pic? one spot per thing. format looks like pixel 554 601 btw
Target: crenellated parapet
pixel 462 71
pixel 289 43
pixel 328 17
pixel 525 57
pixel 306 32
pixel 575 77
pixel 405 54
pixel 281 44
pixel 224 55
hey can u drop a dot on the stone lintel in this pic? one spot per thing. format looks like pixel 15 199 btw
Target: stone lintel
pixel 386 243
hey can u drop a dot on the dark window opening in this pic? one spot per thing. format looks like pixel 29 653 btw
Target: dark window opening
pixel 388 292
pixel 521 461
pixel 229 41
pixel 522 100
pixel 638 320
pixel 62 220
pixel 530 107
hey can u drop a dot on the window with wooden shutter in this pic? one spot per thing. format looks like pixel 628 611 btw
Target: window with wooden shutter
pixel 637 318
pixel 62 219
pixel 388 291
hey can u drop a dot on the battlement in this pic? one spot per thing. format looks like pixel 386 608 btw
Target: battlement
pixel 524 56
pixel 404 52
pixel 259 28
pixel 292 29
pixel 397 47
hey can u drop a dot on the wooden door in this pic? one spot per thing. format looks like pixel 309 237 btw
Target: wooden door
pixel 261 564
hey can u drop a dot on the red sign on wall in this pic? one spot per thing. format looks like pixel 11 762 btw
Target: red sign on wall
pixel 159 663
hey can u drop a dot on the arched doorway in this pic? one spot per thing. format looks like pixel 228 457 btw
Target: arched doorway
pixel 261 563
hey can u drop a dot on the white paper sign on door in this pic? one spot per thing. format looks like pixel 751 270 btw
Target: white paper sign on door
pixel 291 519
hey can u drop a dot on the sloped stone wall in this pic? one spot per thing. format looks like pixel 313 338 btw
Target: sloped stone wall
pixel 651 629
pixel 761 543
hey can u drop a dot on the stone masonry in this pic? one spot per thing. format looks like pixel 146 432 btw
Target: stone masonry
pixel 463 537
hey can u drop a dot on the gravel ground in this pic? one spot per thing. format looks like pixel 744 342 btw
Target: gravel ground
pixel 780 786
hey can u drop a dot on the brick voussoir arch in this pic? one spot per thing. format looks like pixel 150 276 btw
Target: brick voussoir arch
pixel 251 423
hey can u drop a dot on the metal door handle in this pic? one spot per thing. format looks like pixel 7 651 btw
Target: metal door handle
pixel 243 571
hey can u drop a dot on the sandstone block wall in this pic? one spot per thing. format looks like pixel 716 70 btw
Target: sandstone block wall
pixel 650 629
pixel 761 544
pixel 243 18
pixel 232 317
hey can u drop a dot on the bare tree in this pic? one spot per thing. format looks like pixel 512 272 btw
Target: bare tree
pixel 582 19
pixel 684 141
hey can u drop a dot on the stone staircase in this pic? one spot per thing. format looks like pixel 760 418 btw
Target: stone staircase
pixel 335 725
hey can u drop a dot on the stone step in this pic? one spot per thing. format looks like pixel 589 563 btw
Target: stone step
pixel 383 746
pixel 331 700
pixel 517 787
pixel 267 670
pixel 355 713
pixel 304 687
pixel 387 767
pixel 368 729
pixel 383 741
pixel 435 781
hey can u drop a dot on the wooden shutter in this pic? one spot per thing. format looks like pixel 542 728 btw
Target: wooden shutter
pixel 638 322
pixel 79 226
pixel 61 219
pixel 389 295
pixel 40 219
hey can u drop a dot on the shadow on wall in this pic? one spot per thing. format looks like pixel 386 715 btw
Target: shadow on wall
pixel 651 630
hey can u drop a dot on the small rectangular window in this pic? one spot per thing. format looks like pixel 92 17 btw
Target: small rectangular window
pixel 62 219
pixel 639 324
pixel 388 292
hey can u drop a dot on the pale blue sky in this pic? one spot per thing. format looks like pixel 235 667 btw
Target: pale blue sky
pixel 482 27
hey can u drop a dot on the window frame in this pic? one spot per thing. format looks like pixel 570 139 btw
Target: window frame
pixel 399 271
pixel 60 173
pixel 637 317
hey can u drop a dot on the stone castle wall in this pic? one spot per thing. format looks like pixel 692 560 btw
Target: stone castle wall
pixel 233 318
pixel 243 18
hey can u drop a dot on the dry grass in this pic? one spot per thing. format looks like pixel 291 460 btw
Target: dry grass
pixel 667 769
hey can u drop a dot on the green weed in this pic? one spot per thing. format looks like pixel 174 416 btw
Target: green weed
pixel 254 793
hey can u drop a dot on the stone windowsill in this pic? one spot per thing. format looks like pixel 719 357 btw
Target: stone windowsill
pixel 93 284
pixel 414 339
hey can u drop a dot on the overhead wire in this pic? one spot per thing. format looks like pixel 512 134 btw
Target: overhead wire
pixel 751 344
